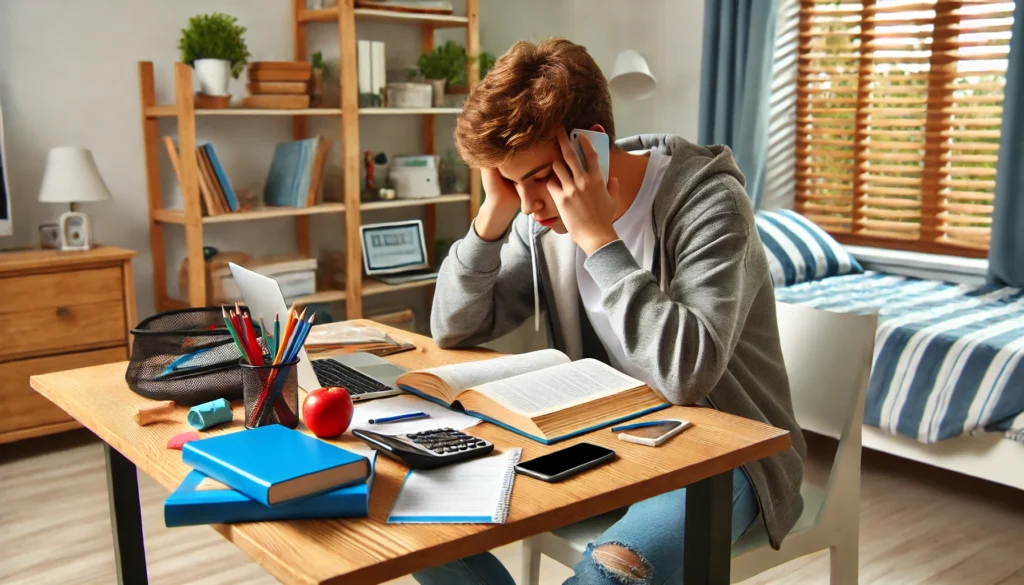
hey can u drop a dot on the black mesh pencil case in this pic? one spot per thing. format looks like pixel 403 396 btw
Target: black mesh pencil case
pixel 185 355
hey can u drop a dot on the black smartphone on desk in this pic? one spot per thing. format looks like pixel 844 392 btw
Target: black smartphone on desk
pixel 566 462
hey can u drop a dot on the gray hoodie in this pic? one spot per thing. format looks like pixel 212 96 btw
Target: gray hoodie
pixel 702 322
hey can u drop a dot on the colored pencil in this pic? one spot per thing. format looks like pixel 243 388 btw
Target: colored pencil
pixel 298 339
pixel 234 336
pixel 277 336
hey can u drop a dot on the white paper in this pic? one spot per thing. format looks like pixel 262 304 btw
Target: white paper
pixel 475 491
pixel 440 417
pixel 364 67
pixel 472 374
pixel 558 387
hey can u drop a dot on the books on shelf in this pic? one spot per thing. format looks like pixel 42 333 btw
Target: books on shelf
pixel 371 71
pixel 296 275
pixel 280 71
pixel 296 173
pixel 215 190
pixel 541 395
pixel 417 6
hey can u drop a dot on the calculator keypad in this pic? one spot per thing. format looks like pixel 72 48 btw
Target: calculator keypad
pixel 443 441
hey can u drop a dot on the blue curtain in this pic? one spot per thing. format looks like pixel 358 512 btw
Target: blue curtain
pixel 736 79
pixel 1006 255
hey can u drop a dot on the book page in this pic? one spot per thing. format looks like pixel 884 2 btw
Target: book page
pixel 472 374
pixel 559 387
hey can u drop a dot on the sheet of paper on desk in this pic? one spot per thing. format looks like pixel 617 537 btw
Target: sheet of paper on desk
pixel 440 417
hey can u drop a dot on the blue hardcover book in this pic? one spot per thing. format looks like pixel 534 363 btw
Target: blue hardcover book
pixel 300 193
pixel 279 188
pixel 204 500
pixel 275 464
pixel 229 193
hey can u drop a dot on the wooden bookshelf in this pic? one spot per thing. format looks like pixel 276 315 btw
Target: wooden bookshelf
pixel 190 216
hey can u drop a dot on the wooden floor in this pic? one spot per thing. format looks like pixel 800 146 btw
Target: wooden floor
pixel 919 525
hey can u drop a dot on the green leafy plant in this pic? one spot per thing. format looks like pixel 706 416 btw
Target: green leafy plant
pixel 486 62
pixel 447 61
pixel 317 61
pixel 214 36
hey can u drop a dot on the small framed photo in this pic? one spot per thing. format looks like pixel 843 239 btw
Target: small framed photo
pixel 49 236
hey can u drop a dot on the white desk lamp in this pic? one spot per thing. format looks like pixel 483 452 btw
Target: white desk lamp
pixel 72 177
pixel 631 78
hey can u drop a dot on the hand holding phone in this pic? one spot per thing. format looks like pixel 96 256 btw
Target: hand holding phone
pixel 586 203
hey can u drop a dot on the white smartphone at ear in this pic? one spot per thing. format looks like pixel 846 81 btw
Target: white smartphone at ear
pixel 600 142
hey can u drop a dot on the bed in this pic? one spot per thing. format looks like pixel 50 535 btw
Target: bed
pixel 947 384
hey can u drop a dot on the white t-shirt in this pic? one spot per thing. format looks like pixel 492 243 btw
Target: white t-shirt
pixel 636 229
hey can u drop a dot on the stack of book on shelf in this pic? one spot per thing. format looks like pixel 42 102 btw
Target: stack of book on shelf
pixel 269 473
pixel 296 275
pixel 278 85
pixel 418 6
pixel 217 195
pixel 296 173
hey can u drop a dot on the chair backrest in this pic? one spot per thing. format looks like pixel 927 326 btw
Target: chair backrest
pixel 828 358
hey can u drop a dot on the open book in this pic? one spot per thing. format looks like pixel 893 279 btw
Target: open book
pixel 542 394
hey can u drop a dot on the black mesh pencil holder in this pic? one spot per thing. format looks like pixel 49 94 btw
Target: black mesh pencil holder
pixel 271 394
pixel 185 355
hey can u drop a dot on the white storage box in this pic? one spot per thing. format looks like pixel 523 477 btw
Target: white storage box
pixel 409 95
pixel 415 182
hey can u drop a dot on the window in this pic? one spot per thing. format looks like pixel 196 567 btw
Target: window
pixel 899 106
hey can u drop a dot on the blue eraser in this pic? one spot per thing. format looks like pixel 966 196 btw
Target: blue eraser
pixel 209 414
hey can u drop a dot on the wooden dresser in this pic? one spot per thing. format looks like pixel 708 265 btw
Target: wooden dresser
pixel 58 311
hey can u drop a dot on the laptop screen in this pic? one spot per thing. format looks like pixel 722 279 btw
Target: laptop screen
pixel 393 247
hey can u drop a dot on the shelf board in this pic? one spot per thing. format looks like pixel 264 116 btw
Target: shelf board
pixel 412 202
pixel 170 110
pixel 407 111
pixel 437 20
pixel 370 287
pixel 177 216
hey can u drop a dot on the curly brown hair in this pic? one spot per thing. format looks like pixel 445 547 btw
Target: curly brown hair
pixel 531 92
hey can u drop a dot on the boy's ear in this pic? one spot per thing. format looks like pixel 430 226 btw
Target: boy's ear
pixel 598 128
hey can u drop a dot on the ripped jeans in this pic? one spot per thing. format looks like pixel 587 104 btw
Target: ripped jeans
pixel 652 529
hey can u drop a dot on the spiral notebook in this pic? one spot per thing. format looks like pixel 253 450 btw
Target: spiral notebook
pixel 472 492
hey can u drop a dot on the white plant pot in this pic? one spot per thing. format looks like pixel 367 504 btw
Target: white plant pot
pixel 213 75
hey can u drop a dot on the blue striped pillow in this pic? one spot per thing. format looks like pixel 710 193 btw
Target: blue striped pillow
pixel 799 251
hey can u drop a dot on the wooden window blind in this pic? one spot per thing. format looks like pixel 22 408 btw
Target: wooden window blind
pixel 899 107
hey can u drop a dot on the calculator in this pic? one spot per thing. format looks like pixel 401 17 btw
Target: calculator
pixel 427 449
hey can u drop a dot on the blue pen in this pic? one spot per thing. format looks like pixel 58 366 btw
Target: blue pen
pixel 400 417
pixel 639 425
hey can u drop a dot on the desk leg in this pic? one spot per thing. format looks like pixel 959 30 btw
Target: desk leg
pixel 125 518
pixel 707 547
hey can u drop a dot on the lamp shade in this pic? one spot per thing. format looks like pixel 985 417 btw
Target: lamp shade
pixel 631 78
pixel 71 176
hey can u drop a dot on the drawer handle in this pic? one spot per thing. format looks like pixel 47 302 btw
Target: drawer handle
pixel 63 312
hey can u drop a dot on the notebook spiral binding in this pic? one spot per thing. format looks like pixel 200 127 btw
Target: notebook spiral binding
pixel 501 514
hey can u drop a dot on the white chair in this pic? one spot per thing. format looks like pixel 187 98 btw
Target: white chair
pixel 828 358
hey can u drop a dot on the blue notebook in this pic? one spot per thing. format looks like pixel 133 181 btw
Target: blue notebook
pixel 222 177
pixel 290 173
pixel 541 395
pixel 275 464
pixel 203 500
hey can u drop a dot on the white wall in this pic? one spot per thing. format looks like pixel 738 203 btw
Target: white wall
pixel 68 76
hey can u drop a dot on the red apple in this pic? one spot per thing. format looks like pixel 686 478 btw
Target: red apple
pixel 327 412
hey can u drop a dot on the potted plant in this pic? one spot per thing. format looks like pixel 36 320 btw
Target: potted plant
pixel 317 84
pixel 214 45
pixel 458 84
pixel 442 66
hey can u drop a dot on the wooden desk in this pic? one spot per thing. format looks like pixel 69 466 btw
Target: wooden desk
pixel 367 550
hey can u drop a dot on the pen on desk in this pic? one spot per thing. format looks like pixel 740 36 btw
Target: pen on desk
pixel 399 418
pixel 639 425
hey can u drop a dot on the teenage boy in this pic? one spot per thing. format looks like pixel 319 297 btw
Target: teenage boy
pixel 658 272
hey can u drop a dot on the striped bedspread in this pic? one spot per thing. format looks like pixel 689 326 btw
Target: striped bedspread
pixel 949 359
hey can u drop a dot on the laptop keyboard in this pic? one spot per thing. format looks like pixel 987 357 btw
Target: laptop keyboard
pixel 331 372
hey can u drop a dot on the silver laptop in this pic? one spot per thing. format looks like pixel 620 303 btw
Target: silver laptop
pixel 396 252
pixel 365 375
